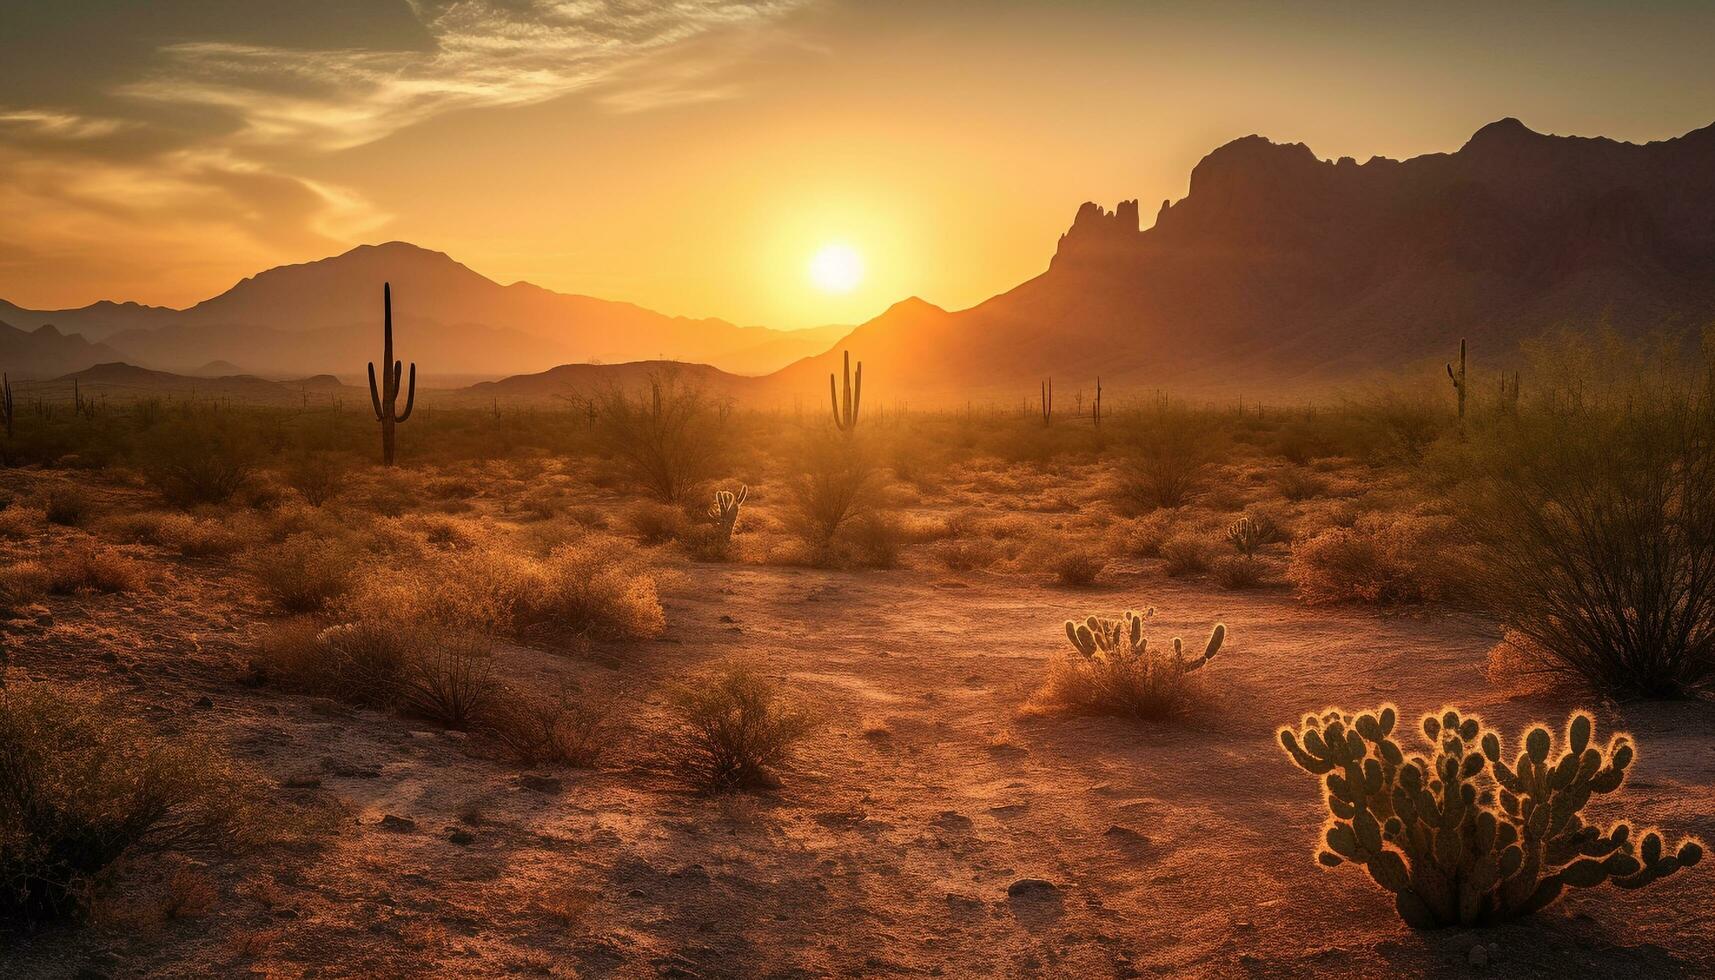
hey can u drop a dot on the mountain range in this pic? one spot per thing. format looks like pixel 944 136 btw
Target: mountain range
pixel 1282 270
pixel 1277 271
pixel 324 316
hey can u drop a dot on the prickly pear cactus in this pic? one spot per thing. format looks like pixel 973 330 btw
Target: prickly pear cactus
pixel 1249 533
pixel 1121 641
pixel 1462 837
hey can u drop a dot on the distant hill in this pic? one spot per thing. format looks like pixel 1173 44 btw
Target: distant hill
pixel 120 382
pixel 1282 270
pixel 325 316
pixel 575 382
pixel 46 352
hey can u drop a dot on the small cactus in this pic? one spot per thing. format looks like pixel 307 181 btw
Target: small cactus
pixel 386 398
pixel 1251 532
pixel 1117 640
pixel 725 510
pixel 846 407
pixel 1462 838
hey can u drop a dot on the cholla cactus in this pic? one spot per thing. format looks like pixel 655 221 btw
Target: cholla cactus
pixel 1120 640
pixel 1461 837
pixel 1251 532
pixel 725 510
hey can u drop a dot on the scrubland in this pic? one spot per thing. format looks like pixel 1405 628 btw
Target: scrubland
pixel 959 693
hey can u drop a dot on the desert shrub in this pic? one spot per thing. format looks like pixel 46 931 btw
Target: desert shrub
pixel 836 484
pixel 16 523
pixel 1076 564
pixel 1112 670
pixel 449 678
pixel 1460 836
pixel 594 588
pixel 82 785
pixel 1298 484
pixel 1599 527
pixel 570 729
pixel 966 554
pixel 1167 468
pixel 200 456
pixel 367 662
pixel 875 539
pixel 305 572
pixel 1186 553
pixel 670 438
pixel 66 505
pixel 192 537
pixel 654 522
pixel 736 728
pixel 319 477
pixel 1382 559
pixel 1238 572
pixel 78 568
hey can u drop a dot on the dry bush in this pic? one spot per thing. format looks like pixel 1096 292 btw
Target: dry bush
pixel 570 729
pixel 79 568
pixel 735 728
pixel 670 438
pixel 656 523
pixel 1186 553
pixel 1168 467
pixel 1238 572
pixel 319 477
pixel 189 894
pixel 594 588
pixel 873 540
pixel 837 483
pixel 193 537
pixel 449 678
pixel 82 785
pixel 1599 526
pixel 1298 484
pixel 1382 559
pixel 1075 564
pixel 1112 670
pixel 1144 536
pixel 200 456
pixel 966 555
pixel 17 523
pixel 305 572
pixel 367 662
pixel 66 505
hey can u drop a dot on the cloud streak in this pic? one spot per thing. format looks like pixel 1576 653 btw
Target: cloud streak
pixel 209 141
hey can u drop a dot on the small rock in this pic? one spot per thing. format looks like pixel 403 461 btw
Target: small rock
pixel 1479 956
pixel 399 825
pixel 204 702
pixel 1030 887
pixel 541 784
pixel 462 838
pixel 303 781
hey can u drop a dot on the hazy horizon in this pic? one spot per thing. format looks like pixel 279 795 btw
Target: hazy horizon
pixel 695 160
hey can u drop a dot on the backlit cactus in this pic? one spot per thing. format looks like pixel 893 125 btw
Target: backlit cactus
pixel 1251 532
pixel 386 398
pixel 1117 641
pixel 1461 837
pixel 725 510
pixel 1459 379
pixel 6 402
pixel 845 405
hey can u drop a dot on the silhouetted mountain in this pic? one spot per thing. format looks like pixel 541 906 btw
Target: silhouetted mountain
pixel 326 315
pixel 45 352
pixel 572 383
pixel 1281 269
pixel 120 382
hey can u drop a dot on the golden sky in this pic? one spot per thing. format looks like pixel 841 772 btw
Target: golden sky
pixel 694 156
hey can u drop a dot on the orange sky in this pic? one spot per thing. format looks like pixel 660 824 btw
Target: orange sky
pixel 693 157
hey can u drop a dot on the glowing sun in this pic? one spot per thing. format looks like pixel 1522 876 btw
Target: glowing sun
pixel 836 268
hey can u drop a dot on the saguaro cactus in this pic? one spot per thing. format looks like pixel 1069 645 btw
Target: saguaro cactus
pixel 386 398
pixel 1509 392
pixel 725 510
pixel 845 406
pixel 1048 402
pixel 6 402
pixel 1096 406
pixel 1459 836
pixel 1459 379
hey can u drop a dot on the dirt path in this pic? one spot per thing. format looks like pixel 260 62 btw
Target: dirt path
pixel 891 849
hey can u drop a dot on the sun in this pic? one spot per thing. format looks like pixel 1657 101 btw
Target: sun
pixel 836 268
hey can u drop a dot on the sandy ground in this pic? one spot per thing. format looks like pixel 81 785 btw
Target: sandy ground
pixel 1167 851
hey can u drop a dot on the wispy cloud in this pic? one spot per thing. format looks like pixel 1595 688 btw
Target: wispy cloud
pixel 210 140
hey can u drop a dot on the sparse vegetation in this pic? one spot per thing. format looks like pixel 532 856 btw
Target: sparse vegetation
pixel 1112 670
pixel 736 728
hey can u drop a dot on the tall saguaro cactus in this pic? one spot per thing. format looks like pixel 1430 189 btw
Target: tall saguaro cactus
pixel 1459 379
pixel 386 398
pixel 845 405
pixel 6 403
pixel 1096 406
pixel 1048 402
